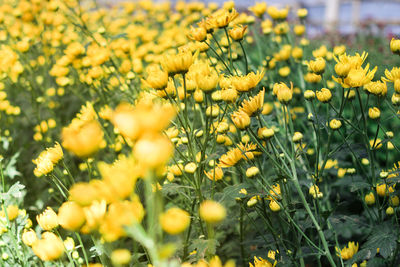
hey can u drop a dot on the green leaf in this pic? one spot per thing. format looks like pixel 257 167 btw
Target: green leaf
pixel 230 193
pixel 203 246
pixel 15 192
pixel 355 186
pixel 383 237
pixel 10 170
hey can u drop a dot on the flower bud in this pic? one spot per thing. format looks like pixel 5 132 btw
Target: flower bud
pixel 190 167
pixel 389 211
pixel 324 95
pixel 369 199
pixel 374 113
pixel 198 34
pixel 48 219
pixel 309 94
pixel 274 206
pixel 241 119
pixel 396 99
pixel 394 201
pixel 252 171
pixel 335 124
pixel 299 29
pixel 297 53
pixel 395 46
pixel 342 69
pixel 312 77
pixel 302 13
pixel 297 136
pixel 237 32
pixel 29 237
pixel 265 132
pixel 317 66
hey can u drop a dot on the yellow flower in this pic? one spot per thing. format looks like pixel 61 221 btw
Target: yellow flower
pixel 384 190
pixel 277 14
pixel 395 46
pixel 120 257
pixel 230 158
pixel 324 95
pixel 284 71
pixel 302 13
pixel 275 192
pixel 317 66
pixel 48 219
pixel 237 32
pixel 153 151
pixel 260 262
pixel 49 248
pixel 120 214
pixel 312 77
pixel 44 164
pixel 299 29
pixel 265 132
pixel 215 174
pixel 29 237
pixel 359 77
pixel 157 78
pixel 320 52
pixel 199 34
pixel 254 104
pixel 190 167
pixel 252 171
pixel 94 215
pixel 179 63
pixel 71 216
pixel 347 252
pixel 206 78
pixel 283 92
pixel 241 119
pixel 82 139
pixel 174 221
pixel 247 82
pixel 309 94
pixel 274 206
pixel 259 9
pixel 297 52
pixel 374 113
pixel 389 211
pixel 335 124
pixel 297 136
pixel 212 212
pixel 120 176
pixel 339 49
pixel 369 198
pixel 223 17
pixel 377 88
pixel 314 191
pixel 12 212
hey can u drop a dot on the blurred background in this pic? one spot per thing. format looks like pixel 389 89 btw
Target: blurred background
pixel 347 17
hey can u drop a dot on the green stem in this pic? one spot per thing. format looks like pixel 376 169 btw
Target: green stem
pixel 245 57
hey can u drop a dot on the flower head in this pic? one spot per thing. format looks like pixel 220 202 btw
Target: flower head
pixel 347 252
pixel 212 212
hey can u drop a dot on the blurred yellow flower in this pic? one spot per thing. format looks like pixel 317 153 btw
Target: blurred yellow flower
pixel 174 221
pixel 212 212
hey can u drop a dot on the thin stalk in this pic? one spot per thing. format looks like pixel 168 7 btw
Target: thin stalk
pixel 245 57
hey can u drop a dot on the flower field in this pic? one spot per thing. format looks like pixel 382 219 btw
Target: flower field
pixel 151 134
